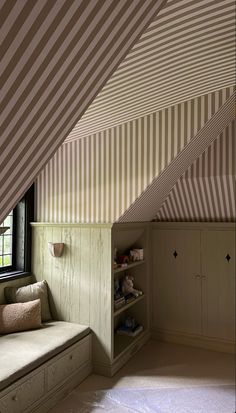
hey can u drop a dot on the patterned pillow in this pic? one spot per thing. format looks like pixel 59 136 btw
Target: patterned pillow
pixel 28 293
pixel 20 316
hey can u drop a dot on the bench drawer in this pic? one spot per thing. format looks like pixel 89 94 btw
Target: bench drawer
pixel 69 363
pixel 23 395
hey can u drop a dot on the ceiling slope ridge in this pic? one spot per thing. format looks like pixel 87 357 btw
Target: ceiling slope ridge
pixel 125 119
pixel 145 207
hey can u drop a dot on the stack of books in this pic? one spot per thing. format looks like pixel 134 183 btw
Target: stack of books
pixel 129 331
pixel 129 298
pixel 119 302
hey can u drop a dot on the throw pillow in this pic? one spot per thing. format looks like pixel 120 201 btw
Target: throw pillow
pixel 28 293
pixel 20 316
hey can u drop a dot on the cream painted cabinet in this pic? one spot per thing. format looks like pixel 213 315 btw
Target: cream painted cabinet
pixel 193 280
pixel 176 285
pixel 218 271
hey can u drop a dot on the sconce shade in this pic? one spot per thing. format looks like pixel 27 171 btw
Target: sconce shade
pixel 3 229
pixel 56 248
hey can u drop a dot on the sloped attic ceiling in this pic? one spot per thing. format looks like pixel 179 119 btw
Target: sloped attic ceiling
pixel 206 191
pixel 97 179
pixel 188 50
pixel 145 207
pixel 55 57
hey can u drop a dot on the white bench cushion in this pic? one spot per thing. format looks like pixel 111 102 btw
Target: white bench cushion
pixel 22 352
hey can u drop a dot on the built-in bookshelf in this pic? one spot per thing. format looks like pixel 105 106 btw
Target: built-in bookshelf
pixel 125 344
pixel 126 306
pixel 128 266
pixel 126 237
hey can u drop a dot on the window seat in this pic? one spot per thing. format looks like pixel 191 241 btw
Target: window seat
pixel 39 367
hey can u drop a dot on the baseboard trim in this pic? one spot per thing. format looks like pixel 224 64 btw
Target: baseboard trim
pixel 192 340
pixel 109 370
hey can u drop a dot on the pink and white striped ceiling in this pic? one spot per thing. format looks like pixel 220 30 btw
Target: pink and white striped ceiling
pixel 145 207
pixel 58 55
pixel 188 50
pixel 55 57
pixel 206 191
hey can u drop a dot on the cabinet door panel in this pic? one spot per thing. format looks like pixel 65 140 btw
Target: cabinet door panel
pixel 218 287
pixel 176 289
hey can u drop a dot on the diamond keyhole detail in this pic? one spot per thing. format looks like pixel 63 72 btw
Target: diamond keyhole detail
pixel 228 257
pixel 175 254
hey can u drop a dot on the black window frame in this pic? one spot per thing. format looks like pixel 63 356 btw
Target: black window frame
pixel 23 214
pixel 11 267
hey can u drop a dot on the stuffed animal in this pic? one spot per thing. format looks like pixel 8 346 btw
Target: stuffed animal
pixel 128 286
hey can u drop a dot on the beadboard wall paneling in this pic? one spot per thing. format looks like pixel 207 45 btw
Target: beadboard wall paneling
pixel 188 50
pixel 144 208
pixel 55 57
pixel 96 179
pixel 80 280
pixel 206 191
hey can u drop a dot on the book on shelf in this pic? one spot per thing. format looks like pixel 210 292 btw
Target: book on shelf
pixel 122 301
pixel 129 298
pixel 119 299
pixel 119 303
pixel 129 331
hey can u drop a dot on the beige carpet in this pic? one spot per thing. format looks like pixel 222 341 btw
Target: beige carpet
pixel 159 376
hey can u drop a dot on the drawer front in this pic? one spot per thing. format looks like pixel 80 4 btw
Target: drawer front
pixel 67 364
pixel 24 395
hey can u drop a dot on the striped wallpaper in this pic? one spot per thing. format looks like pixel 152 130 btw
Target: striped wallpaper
pixel 206 191
pixel 188 50
pixel 96 179
pixel 55 57
pixel 150 200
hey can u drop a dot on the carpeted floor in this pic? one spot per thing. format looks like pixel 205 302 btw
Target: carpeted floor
pixel 160 378
pixel 209 399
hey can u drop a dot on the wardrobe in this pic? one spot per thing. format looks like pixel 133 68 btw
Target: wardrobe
pixel 193 279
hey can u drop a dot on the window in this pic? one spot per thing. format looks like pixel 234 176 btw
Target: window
pixel 6 244
pixel 15 243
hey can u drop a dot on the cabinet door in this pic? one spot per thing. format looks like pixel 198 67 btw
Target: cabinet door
pixel 218 284
pixel 176 280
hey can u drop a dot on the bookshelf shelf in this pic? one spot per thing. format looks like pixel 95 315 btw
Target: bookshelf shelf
pixel 127 267
pixel 124 343
pixel 125 306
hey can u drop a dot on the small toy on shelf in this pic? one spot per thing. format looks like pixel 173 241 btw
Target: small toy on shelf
pixel 136 254
pixel 123 259
pixel 128 286
pixel 130 327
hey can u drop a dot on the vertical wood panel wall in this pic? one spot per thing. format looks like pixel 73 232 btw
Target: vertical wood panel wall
pixel 95 179
pixel 79 280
